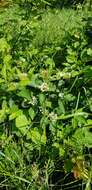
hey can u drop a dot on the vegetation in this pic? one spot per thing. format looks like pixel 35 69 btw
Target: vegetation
pixel 45 95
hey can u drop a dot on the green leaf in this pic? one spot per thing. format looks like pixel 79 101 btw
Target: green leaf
pixel 69 97
pixel 60 148
pixel 4 46
pixel 61 151
pixel 83 137
pixel 89 51
pixel 15 114
pixel 24 93
pixel 21 121
pixel 24 80
pixel 48 104
pixel 32 113
pixel 7 59
pixel 36 136
pixel 61 109
pixel 68 165
pixel 49 62
pixel 42 98
pixel 88 72
pixel 12 86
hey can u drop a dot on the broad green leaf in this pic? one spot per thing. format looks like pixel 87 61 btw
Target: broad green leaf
pixel 21 121
pixel 24 93
pixel 15 114
pixel 23 130
pixel 13 106
pixel 36 136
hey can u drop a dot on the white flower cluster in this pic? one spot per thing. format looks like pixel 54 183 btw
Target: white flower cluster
pixel 34 100
pixel 44 87
pixel 53 116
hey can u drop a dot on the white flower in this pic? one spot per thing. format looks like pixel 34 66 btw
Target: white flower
pixel 44 87
pixel 34 100
pixel 53 116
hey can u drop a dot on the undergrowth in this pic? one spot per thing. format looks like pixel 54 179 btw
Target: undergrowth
pixel 45 95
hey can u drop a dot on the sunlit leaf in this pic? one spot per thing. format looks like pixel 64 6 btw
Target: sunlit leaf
pixel 21 121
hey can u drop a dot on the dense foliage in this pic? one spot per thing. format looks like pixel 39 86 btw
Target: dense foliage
pixel 45 95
